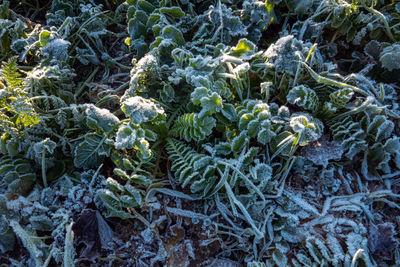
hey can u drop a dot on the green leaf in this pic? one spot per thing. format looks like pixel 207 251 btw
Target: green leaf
pixel 198 94
pixel 126 137
pixel 136 28
pixel 243 47
pixel 145 5
pixel 100 118
pixel 390 57
pixel 171 32
pixel 229 112
pixel 245 120
pixel 211 104
pixel 121 173
pixel 176 12
pixel 239 142
pixel 91 152
pixel 310 129
pixel 140 109
pixel 303 96
pixel 191 126
pixel 44 37
pixel 45 145
pixel 129 189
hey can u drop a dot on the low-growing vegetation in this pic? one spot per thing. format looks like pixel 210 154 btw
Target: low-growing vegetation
pixel 199 133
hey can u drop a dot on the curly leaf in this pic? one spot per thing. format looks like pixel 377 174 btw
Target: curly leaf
pixel 303 96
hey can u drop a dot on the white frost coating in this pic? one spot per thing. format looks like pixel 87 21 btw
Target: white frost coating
pixel 148 236
pixel 141 110
pixel 286 53
pixel 29 243
pixel 390 57
pixel 57 49
pixel 320 153
pixel 102 117
pixel 308 127
pixel 145 67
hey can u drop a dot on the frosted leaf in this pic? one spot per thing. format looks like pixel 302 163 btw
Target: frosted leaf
pixel 279 258
pixel 91 152
pixel 173 33
pixel 303 96
pixel 335 248
pixel 243 48
pixel 380 127
pixel 373 49
pixel 57 49
pixel 126 137
pixel 41 222
pixel 390 57
pixel 241 69
pixel 141 110
pixel 354 242
pixel 191 126
pixel 145 71
pixel 322 151
pixel 263 172
pixel 148 236
pixel 7 237
pixel 283 54
pixel 167 94
pixel 101 118
pixel 47 145
pixel 221 20
pixel 381 239
pixel 30 243
pixel 211 102
pixel 308 127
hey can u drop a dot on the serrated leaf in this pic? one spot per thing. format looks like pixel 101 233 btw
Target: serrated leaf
pixel 303 96
pixel 91 152
pixel 239 142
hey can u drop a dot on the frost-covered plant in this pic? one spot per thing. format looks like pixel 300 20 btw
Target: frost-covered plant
pixel 281 117
pixel 389 57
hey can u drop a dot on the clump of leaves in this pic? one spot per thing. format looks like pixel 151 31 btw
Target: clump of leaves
pixel 295 156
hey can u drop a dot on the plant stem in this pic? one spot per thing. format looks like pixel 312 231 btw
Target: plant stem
pixel 383 18
pixel 44 168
